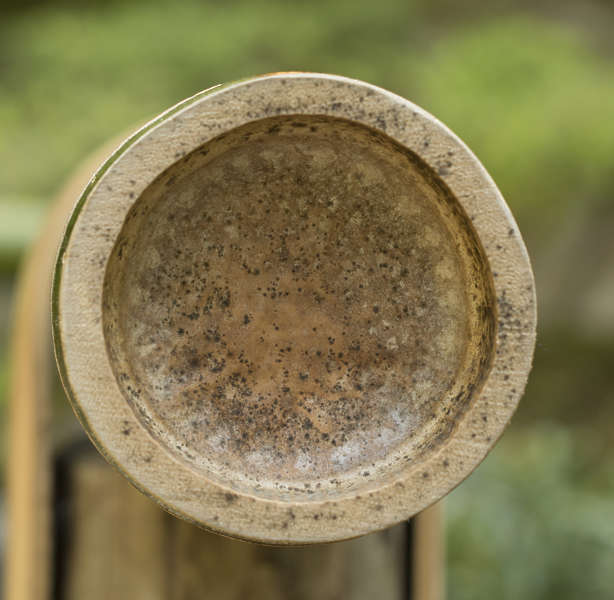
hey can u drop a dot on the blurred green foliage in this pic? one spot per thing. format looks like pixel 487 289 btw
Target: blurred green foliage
pixel 533 522
pixel 528 85
pixel 537 104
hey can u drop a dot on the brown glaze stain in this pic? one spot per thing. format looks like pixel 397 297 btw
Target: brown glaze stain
pixel 297 300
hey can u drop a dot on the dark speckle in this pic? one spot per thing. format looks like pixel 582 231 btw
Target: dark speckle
pixel 287 361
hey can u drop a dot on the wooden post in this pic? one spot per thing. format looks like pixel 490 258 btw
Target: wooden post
pixel 120 545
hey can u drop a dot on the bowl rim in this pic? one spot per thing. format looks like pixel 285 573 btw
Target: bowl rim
pixel 80 346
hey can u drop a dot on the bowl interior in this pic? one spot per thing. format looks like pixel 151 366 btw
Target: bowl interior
pixel 299 308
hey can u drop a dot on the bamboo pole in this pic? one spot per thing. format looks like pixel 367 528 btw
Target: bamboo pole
pixel 294 309
pixel 118 543
pixel 185 560
pixel 427 566
pixel 28 556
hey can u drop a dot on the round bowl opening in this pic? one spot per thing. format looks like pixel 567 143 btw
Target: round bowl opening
pixel 299 308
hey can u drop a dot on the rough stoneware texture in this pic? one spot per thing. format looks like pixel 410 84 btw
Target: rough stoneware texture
pixel 294 309
pixel 299 316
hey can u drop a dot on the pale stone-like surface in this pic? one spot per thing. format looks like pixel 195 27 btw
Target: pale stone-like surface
pixel 132 311
pixel 289 304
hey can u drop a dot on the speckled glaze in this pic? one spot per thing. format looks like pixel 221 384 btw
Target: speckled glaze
pixel 294 309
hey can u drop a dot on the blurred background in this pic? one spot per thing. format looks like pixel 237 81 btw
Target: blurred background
pixel 528 85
